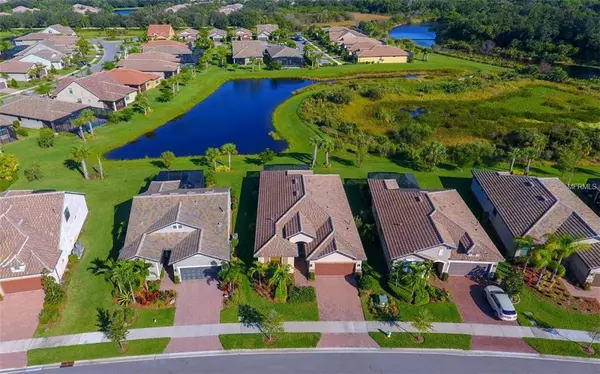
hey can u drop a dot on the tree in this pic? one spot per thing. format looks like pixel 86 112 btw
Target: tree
pixel 34 172
pixel 86 117
pixel 5 45
pixel 431 156
pixel 142 102
pixel 315 142
pixel 229 149
pixel 594 334
pixel 83 47
pixel 167 158
pixel 256 61
pixel 271 324
pixel 211 155
pixel 116 329
pixel 525 243
pixel 514 282
pixel 100 167
pixel 221 53
pixel 361 153
pixel 422 323
pixel 514 154
pixel 258 269
pixel 266 156
pixel 543 257
pixel 9 164
pixel 43 89
pixel 564 246
pixel 79 154
pixel 280 279
pixel 416 275
pixel 327 145
pixel 230 274
pixel 567 159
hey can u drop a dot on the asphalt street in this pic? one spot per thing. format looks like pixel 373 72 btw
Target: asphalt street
pixel 341 362
pixel 111 50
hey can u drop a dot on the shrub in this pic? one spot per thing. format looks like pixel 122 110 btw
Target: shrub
pixel 22 131
pixel 339 97
pixel 34 172
pixel 514 282
pixel 154 286
pixel 445 277
pixel 372 93
pixel 385 115
pixel 274 65
pixel 368 283
pixel 177 280
pixel 400 292
pixel 13 83
pixel 54 294
pixel 302 294
pixel 281 294
pixel 46 138
pixel 311 276
pixel 421 297
pixel 126 114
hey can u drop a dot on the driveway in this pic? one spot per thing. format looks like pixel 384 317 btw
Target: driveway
pixel 470 300
pixel 338 299
pixel 19 314
pixel 111 50
pixel 358 340
pixel 198 302
pixel 488 343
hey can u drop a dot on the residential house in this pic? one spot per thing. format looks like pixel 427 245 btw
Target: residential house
pixel 139 80
pixel 21 71
pixel 38 230
pixel 85 9
pixel 189 35
pixel 418 225
pixel 242 34
pixel 59 30
pixel 37 112
pixel 340 34
pixel 31 38
pixel 217 35
pixel 161 68
pixel 24 9
pixel 177 8
pixel 244 51
pixel 228 9
pixel 306 217
pixel 264 32
pixel 382 54
pixel 46 46
pixel 7 131
pixel 171 47
pixel 186 228
pixel 287 57
pixel 160 32
pixel 47 58
pixel 358 44
pixel 519 206
pixel 160 56
pixel 98 90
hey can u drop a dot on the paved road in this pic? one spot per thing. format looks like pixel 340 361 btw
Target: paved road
pixel 328 57
pixel 341 362
pixel 111 50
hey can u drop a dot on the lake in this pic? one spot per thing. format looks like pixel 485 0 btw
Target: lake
pixel 581 72
pixel 238 112
pixel 422 34
pixel 124 11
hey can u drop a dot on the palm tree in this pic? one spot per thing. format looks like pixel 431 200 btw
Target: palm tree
pixel 564 246
pixel 107 268
pixel 398 269
pixel 315 142
pixel 211 155
pixel 230 273
pixel 141 271
pixel 530 153
pixel 229 149
pixel 86 117
pixel 100 167
pixel 525 243
pixel 281 278
pixel 417 275
pixel 79 155
pixel 543 257
pixel 514 154
pixel 259 269
pixel 142 102
pixel 327 145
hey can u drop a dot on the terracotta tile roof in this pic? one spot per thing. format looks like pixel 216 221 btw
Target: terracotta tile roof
pixel 368 44
pixel 283 51
pixel 130 77
pixel 242 31
pixel 34 36
pixel 247 48
pixel 228 9
pixel 312 204
pixel 382 51
pixel 101 85
pixel 163 31
pixel 337 33
pixel 266 29
pixel 154 56
pixel 148 65
pixel 203 212
pixel 166 46
pixel 29 231
pixel 15 66
pixel 40 108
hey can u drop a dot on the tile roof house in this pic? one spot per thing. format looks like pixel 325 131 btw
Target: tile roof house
pixel 242 34
pixel 177 8
pixel 23 9
pixel 31 38
pixel 186 228
pixel 228 9
pixel 381 54
pixel 189 35
pixel 287 57
pixel 83 9
pixel 98 90
pixel 339 34
pixel 529 206
pixel 37 232
pixel 59 30
pixel 303 216
pixel 243 51
pixel 217 35
pixel 159 56
pixel 417 225
pixel 20 70
pixel 38 112
pixel 160 32
pixel 172 47
pixel 139 80
pixel 263 32
pixel 162 68
pixel 46 57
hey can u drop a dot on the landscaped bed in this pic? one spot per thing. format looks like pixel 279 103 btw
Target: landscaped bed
pixel 407 340
pixel 259 341
pixel 562 348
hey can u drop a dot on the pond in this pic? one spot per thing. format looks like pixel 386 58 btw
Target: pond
pixel 582 72
pixel 124 11
pixel 239 112
pixel 421 33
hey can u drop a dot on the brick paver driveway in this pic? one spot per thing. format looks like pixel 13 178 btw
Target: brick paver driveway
pixel 346 341
pixel 488 343
pixel 198 302
pixel 16 360
pixel 201 343
pixel 19 314
pixel 338 298
pixel 470 300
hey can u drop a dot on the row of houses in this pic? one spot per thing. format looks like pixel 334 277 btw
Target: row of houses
pixel 244 52
pixel 366 49
pixel 165 32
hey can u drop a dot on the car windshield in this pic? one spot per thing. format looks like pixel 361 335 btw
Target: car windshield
pixel 508 312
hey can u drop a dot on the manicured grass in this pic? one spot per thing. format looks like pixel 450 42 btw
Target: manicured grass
pixel 146 317
pixel 440 312
pixel 548 314
pixel 94 351
pixel 561 347
pixel 290 311
pixel 406 340
pixel 257 341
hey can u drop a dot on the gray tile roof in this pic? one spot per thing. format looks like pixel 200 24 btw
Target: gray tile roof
pixel 591 257
pixel 101 85
pixel 40 108
pixel 413 220
pixel 219 32
pixel 247 48
pixel 65 30
pixel 15 66
pixel 148 65
pixel 266 29
pixel 283 51
pixel 300 201
pixel 202 212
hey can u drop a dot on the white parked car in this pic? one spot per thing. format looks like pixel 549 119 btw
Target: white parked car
pixel 500 302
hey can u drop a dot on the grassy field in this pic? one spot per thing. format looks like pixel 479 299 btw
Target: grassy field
pixel 356 18
pixel 109 200
pixel 95 351
pixel 257 341
pixel 561 348
pixel 406 340
pixel 120 33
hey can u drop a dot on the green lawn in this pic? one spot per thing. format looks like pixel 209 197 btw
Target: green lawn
pixel 282 340
pixel 406 340
pixel 560 347
pixel 440 312
pixel 93 351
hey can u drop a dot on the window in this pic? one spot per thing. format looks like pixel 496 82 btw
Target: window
pixel 126 97
pixel 276 260
pixel 70 91
pixel 18 268
pixel 67 214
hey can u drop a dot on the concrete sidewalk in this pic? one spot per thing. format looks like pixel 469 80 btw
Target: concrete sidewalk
pixel 316 326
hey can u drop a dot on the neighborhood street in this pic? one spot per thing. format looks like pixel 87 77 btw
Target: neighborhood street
pixel 111 50
pixel 350 362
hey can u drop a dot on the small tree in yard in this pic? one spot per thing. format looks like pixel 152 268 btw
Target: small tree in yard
pixel 266 156
pixel 116 328
pixel 100 167
pixel 79 154
pixel 513 283
pixel 212 154
pixel 53 292
pixel 9 164
pixel 271 324
pixel 229 149
pixel 595 335
pixel 422 323
pixel 46 138
pixel 34 172
pixel 142 102
pixel 167 158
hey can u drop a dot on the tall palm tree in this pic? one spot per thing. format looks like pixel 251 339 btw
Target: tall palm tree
pixel 525 243
pixel 79 154
pixel 543 257
pixel 530 153
pixel 229 149
pixel 258 269
pixel 564 246
pixel 211 155
pixel 514 154
pixel 85 118
pixel 142 102
pixel 281 278
pixel 141 271
pixel 315 142
pixel 327 145
pixel 230 273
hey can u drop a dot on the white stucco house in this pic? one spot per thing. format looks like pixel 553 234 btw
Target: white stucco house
pixel 46 58
pixel 37 232
pixel 178 226
pixel 98 90
pixel 57 29
pixel 21 71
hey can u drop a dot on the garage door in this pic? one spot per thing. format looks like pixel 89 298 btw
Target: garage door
pixel 22 285
pixel 342 268
pixel 466 268
pixel 202 272
pixel 596 281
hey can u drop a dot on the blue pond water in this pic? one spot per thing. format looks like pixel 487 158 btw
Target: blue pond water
pixel 124 12
pixel 415 113
pixel 239 112
pixel 419 33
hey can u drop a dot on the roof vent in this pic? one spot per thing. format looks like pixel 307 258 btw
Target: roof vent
pixel 541 198
pixel 528 184
pixel 294 180
pixel 20 222
pixel 418 198
pixel 294 193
